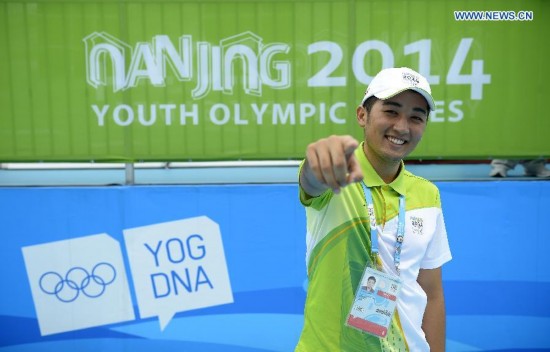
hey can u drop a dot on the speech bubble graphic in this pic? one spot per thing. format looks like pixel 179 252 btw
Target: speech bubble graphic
pixel 78 283
pixel 177 266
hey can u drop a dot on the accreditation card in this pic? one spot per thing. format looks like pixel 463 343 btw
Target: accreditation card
pixel 375 302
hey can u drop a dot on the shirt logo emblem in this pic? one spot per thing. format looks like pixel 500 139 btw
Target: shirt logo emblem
pixel 417 225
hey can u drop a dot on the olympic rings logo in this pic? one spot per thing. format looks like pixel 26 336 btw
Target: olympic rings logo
pixel 76 280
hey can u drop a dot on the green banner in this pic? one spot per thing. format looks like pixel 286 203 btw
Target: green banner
pixel 218 80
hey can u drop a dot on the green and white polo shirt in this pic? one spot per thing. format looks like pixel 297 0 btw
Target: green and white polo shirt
pixel 339 247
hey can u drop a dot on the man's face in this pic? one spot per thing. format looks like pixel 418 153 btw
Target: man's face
pixel 370 283
pixel 394 126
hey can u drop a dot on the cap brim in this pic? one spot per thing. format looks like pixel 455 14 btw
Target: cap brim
pixel 389 94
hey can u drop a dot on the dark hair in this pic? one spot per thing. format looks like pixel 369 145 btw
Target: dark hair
pixel 369 103
pixel 372 277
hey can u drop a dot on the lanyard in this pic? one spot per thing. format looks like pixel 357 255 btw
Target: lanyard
pixel 374 230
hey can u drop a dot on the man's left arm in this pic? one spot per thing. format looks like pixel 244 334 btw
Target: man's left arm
pixel 433 322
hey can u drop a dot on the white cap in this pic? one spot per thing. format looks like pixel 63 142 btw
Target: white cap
pixel 392 81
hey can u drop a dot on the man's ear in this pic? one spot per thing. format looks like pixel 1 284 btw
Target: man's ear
pixel 361 113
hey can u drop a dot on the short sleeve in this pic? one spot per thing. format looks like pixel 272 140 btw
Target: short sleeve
pixel 438 251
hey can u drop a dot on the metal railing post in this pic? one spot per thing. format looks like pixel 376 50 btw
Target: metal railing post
pixel 129 168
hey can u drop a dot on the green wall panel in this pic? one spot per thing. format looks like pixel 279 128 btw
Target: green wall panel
pixel 223 80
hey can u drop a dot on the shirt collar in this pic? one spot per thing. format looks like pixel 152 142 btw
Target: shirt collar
pixel 371 177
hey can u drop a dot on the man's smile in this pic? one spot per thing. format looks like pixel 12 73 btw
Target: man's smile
pixel 395 140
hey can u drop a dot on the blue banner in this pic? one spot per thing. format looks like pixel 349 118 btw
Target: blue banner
pixel 222 268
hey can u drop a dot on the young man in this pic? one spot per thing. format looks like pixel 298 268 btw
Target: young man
pixel 371 281
pixel 337 179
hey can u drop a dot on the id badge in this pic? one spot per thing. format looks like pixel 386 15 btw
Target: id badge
pixel 375 302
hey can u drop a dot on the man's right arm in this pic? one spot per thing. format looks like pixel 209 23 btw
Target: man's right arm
pixel 330 163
